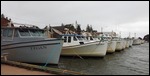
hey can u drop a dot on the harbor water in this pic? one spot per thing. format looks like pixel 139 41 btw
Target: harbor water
pixel 130 61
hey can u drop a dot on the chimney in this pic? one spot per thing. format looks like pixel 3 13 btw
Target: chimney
pixel 2 16
pixel 6 18
pixel 10 19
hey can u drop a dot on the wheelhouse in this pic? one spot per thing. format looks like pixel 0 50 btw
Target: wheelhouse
pixel 9 33
pixel 72 39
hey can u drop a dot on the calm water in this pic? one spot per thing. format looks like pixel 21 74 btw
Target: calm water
pixel 131 61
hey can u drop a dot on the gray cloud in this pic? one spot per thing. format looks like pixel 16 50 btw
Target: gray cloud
pixel 111 15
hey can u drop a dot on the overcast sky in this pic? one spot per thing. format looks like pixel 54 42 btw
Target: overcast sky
pixel 120 16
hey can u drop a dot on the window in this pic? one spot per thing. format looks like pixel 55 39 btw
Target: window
pixel 24 32
pixel 16 33
pixel 91 38
pixel 87 38
pixel 7 32
pixel 79 37
pixel 69 39
pixel 65 39
pixel 34 33
pixel 84 38
pixel 74 38
pixel 41 32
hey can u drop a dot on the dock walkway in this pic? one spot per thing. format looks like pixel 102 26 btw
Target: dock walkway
pixel 26 69
pixel 12 70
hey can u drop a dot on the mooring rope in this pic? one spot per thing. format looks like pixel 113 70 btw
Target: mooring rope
pixel 79 56
pixel 48 59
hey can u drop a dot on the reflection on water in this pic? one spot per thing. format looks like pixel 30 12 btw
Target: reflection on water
pixel 131 61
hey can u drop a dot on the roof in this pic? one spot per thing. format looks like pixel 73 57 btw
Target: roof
pixel 60 28
pixel 31 28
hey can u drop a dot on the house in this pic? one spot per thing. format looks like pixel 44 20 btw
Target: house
pixel 5 22
pixel 63 29
pixel 57 30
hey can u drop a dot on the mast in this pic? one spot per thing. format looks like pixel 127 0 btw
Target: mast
pixel 129 34
pixel 134 35
pixel 120 34
pixel 76 23
pixel 101 29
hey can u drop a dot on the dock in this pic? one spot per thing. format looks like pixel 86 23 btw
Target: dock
pixel 13 70
pixel 30 69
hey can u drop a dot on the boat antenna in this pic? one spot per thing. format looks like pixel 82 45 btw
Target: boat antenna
pixel 120 34
pixel 134 35
pixel 129 34
pixel 101 29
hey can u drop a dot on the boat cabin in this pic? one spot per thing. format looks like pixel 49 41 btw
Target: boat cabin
pixel 73 39
pixel 20 33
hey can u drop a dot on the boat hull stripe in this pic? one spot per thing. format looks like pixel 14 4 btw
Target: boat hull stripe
pixel 29 45
pixel 31 42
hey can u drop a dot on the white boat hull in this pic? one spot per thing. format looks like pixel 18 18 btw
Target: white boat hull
pixel 142 41
pixel 131 42
pixel 119 45
pixel 34 52
pixel 136 41
pixel 97 49
pixel 123 44
pixel 127 43
pixel 111 46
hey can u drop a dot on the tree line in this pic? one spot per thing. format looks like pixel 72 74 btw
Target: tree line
pixel 77 28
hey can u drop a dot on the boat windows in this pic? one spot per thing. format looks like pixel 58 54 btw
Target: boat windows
pixel 16 33
pixel 41 32
pixel 91 38
pixel 74 38
pixel 84 38
pixel 79 37
pixel 24 32
pixel 87 38
pixel 69 39
pixel 34 33
pixel 65 39
pixel 7 32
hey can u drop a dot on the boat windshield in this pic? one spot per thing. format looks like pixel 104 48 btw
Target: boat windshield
pixel 24 32
pixel 79 37
pixel 84 37
pixel 7 32
pixel 74 38
pixel 91 38
pixel 27 32
pixel 37 32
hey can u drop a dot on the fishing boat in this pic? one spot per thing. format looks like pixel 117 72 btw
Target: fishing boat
pixel 111 43
pixel 78 45
pixel 136 41
pixel 142 41
pixel 131 42
pixel 123 44
pixel 119 43
pixel 127 43
pixel 29 44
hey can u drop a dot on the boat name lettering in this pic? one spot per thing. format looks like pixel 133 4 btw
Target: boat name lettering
pixel 38 47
